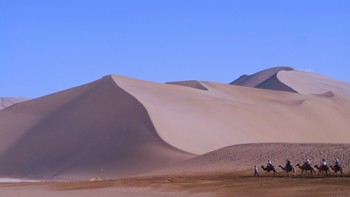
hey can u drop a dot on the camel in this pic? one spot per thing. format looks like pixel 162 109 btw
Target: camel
pixel 337 169
pixel 323 169
pixel 306 168
pixel 288 170
pixel 269 169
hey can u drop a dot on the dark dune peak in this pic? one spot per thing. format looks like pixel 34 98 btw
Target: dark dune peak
pixel 273 83
pixel 266 79
pixel 191 83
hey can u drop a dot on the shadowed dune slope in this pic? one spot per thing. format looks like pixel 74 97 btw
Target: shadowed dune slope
pixel 6 101
pixel 244 157
pixel 273 83
pixel 78 132
pixel 199 121
pixel 266 79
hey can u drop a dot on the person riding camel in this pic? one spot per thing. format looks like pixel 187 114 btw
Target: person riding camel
pixel 323 164
pixel 288 165
pixel 307 164
pixel 269 164
pixel 337 164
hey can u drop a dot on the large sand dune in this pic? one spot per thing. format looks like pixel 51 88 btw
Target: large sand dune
pixel 199 121
pixel 78 132
pixel 127 126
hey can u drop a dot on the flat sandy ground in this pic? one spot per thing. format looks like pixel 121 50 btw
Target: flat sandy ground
pixel 226 184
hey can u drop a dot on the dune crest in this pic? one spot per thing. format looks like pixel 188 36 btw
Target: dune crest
pixel 290 80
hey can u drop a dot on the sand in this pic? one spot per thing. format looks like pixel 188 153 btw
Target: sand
pixel 227 184
pixel 225 172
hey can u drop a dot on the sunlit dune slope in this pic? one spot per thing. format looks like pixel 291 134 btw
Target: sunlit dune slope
pixel 199 121
pixel 311 83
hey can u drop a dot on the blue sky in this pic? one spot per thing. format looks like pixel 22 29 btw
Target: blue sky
pixel 48 46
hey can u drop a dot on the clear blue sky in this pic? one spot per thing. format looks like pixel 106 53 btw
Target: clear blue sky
pixel 51 45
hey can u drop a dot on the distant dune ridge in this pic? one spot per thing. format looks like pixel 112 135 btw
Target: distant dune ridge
pixel 127 126
pixel 266 79
pixel 290 80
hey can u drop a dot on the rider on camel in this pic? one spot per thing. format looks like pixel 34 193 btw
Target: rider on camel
pixel 307 164
pixel 323 164
pixel 288 165
pixel 337 164
pixel 269 164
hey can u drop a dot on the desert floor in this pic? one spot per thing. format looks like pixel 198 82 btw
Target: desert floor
pixel 226 184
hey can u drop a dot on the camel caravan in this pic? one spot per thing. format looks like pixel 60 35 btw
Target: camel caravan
pixel 305 169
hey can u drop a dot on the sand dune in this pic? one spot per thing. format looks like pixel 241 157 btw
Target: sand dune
pixel 7 102
pixel 77 132
pixel 201 121
pixel 128 127
pixel 290 80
